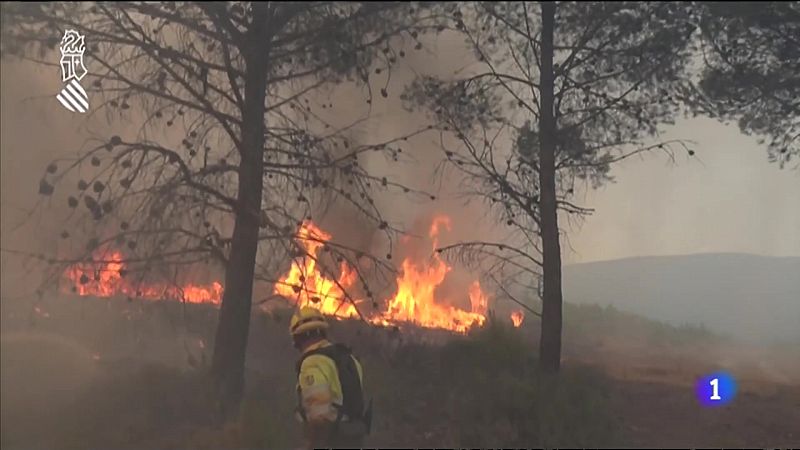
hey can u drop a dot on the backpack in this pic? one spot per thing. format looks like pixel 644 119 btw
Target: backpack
pixel 352 392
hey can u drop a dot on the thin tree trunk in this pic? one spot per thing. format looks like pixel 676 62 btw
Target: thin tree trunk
pixel 550 342
pixel 230 343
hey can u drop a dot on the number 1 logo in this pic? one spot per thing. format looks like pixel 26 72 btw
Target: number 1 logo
pixel 715 385
pixel 716 389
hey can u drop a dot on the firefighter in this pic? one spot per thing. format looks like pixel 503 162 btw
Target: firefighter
pixel 329 385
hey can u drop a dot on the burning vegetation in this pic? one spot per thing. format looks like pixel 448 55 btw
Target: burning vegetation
pixel 516 318
pixel 416 298
pixel 306 285
pixel 106 277
pixel 414 301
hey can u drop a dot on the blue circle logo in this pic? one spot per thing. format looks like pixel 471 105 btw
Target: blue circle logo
pixel 716 389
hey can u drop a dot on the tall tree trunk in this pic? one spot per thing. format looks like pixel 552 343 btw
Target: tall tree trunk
pixel 230 343
pixel 550 342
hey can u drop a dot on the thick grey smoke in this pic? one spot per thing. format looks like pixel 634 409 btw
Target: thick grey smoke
pixel 728 199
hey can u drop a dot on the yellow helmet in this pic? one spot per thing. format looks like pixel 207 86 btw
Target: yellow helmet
pixel 307 319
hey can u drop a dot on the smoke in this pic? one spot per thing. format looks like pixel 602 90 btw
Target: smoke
pixel 418 166
pixel 32 133
pixel 652 210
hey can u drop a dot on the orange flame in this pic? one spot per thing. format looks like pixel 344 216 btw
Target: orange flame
pixel 478 300
pixel 104 278
pixel 308 286
pixel 517 317
pixel 415 302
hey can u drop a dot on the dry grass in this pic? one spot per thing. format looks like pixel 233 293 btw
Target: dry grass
pixel 430 389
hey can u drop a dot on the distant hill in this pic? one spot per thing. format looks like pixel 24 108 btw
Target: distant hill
pixel 750 297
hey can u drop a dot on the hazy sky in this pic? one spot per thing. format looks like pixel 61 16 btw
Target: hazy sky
pixel 728 198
